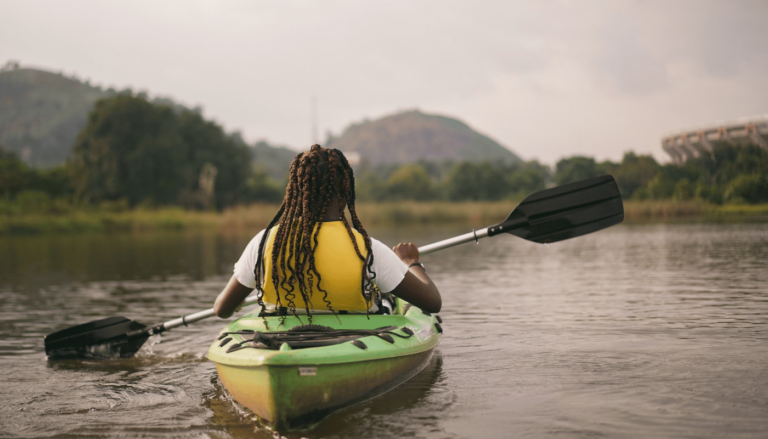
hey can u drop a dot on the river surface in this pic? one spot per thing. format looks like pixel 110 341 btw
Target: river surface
pixel 636 331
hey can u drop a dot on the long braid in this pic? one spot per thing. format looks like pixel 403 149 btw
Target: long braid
pixel 302 231
pixel 280 235
pixel 307 236
pixel 323 200
pixel 325 190
pixel 368 274
pixel 259 268
pixel 314 178
pixel 366 286
pixel 283 248
pixel 290 249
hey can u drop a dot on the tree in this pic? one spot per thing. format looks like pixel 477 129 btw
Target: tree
pixel 684 190
pixel 53 181
pixel 634 172
pixel 16 177
pixel 261 187
pixel 410 182
pixel 662 186
pixel 207 144
pixel 528 178
pixel 369 186
pixel 129 149
pixel 139 151
pixel 730 173
pixel 477 181
pixel 574 169
pixel 752 188
pixel 14 174
pixel 710 192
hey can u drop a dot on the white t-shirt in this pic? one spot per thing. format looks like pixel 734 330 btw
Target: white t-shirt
pixel 389 269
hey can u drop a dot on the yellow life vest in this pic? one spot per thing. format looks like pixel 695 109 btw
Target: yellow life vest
pixel 340 268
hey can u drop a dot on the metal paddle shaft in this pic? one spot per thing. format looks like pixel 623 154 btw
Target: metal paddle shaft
pixel 548 216
pixel 555 214
pixel 475 235
pixel 196 317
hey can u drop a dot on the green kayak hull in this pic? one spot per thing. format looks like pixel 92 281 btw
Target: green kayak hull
pixel 296 388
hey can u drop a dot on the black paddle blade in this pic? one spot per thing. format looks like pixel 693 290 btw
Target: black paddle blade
pixel 565 212
pixel 105 338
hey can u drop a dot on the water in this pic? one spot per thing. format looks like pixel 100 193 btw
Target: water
pixel 635 331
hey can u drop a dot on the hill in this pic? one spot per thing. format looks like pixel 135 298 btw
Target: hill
pixel 41 113
pixel 276 160
pixel 412 135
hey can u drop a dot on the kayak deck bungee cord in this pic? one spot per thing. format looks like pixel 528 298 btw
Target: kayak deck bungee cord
pixel 308 336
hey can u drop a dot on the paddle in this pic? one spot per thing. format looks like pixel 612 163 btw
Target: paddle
pixel 548 216
pixel 555 214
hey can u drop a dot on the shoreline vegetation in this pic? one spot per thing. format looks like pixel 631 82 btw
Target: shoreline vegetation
pixel 257 216
pixel 139 166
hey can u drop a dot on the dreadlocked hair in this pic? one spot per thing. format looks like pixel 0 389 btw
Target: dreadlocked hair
pixel 314 178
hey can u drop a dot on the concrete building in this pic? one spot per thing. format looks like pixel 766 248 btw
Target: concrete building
pixel 688 144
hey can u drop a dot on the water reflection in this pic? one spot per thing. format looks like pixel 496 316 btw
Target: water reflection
pixel 655 329
pixel 35 262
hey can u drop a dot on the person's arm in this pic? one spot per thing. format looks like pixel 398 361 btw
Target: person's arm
pixel 230 298
pixel 236 290
pixel 416 287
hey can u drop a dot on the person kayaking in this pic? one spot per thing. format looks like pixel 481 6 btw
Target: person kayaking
pixel 309 259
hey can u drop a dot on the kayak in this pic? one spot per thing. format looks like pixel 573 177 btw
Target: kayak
pixel 292 375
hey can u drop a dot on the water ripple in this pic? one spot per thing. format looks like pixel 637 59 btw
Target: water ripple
pixel 647 331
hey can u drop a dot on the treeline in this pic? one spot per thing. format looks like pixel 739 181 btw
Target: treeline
pixel 137 153
pixel 25 189
pixel 730 175
pixel 134 153
pixel 451 181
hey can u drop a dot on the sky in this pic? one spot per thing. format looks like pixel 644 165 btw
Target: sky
pixel 547 78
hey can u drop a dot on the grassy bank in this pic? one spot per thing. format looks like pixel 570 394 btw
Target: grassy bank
pixel 244 217
pixel 670 210
pixel 487 213
pixel 104 221
pixel 406 213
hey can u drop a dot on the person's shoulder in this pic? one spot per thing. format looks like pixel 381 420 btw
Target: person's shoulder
pixel 257 238
pixel 378 246
pixel 375 240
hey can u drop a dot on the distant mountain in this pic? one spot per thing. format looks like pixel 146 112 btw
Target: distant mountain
pixel 41 113
pixel 412 135
pixel 275 159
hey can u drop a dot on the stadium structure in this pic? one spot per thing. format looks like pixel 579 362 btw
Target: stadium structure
pixel 692 143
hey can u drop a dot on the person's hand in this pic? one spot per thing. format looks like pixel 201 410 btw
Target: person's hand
pixel 416 287
pixel 407 252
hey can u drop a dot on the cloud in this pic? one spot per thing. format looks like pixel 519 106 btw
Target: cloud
pixel 623 63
